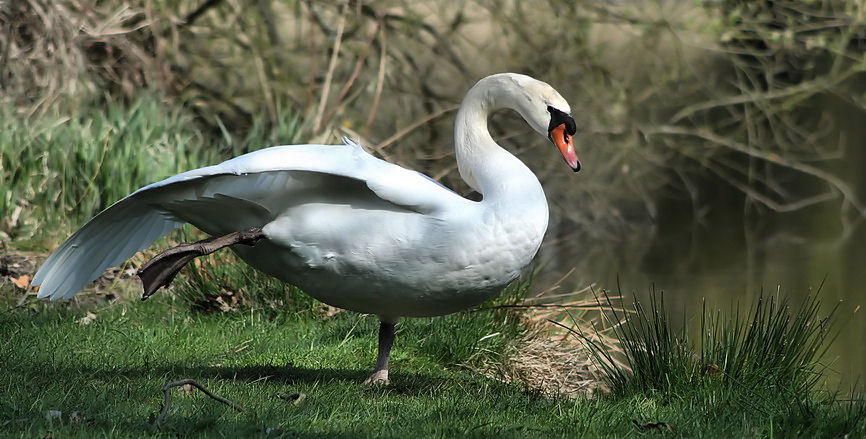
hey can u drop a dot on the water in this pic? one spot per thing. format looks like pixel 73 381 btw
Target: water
pixel 735 254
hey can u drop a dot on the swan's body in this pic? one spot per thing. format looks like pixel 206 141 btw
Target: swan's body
pixel 349 229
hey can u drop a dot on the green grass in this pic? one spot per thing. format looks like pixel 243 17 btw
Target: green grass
pixel 773 343
pixel 765 362
pixel 110 372
pixel 57 171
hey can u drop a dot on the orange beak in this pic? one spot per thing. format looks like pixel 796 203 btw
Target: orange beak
pixel 565 143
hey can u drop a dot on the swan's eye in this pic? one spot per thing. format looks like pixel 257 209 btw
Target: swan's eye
pixel 558 117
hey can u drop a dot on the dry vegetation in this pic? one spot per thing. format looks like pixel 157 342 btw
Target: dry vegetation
pixel 667 95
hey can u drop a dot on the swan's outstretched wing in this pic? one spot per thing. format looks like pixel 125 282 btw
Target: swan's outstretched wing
pixel 243 192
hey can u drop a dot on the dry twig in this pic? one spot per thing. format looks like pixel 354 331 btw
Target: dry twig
pixel 380 81
pixel 166 403
pixel 329 76
pixel 420 122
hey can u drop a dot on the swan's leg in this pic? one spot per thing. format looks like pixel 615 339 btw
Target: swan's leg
pixel 161 270
pixel 386 340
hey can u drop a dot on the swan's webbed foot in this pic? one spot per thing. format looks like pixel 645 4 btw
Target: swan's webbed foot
pixel 386 340
pixel 379 378
pixel 161 270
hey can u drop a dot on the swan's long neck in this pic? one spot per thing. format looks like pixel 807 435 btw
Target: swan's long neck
pixel 499 176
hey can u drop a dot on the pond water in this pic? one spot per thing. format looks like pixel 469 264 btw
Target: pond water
pixel 733 257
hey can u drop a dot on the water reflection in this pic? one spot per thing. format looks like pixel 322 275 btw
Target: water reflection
pixel 728 258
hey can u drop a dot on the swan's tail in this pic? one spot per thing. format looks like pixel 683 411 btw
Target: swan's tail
pixel 128 226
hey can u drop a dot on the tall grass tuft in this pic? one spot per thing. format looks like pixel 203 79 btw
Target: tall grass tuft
pixel 58 171
pixel 776 346
pixel 764 358
pixel 655 356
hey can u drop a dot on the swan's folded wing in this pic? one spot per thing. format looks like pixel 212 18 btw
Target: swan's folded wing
pixel 237 194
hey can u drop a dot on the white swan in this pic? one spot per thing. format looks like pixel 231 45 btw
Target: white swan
pixel 347 228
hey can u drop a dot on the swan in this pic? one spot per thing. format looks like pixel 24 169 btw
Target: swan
pixel 349 229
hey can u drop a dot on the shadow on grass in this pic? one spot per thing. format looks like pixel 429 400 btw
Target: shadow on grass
pixel 127 399
pixel 401 382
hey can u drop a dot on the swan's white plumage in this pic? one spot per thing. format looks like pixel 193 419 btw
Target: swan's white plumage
pixel 106 240
pixel 134 222
pixel 350 229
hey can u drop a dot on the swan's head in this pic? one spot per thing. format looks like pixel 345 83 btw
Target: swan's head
pixel 549 114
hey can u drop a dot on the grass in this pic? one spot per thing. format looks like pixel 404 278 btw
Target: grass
pixel 109 373
pixel 774 342
pixel 59 170
pixel 764 362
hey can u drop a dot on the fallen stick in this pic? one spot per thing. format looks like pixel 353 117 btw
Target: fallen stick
pixel 166 389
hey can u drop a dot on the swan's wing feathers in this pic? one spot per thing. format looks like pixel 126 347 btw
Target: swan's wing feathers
pixel 269 177
pixel 108 239
pixel 390 182
pixel 209 213
pixel 242 192
pixel 413 190
pixel 135 222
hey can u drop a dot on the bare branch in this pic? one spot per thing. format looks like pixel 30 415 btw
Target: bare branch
pixel 846 191
pixel 268 17
pixel 166 403
pixel 807 88
pixel 380 81
pixel 198 12
pixel 399 134
pixel 329 76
